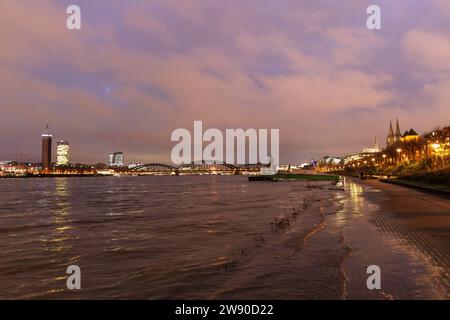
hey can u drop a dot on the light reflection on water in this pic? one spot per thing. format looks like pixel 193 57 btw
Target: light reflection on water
pixel 355 191
pixel 152 237
pixel 176 237
pixel 59 238
pixel 412 266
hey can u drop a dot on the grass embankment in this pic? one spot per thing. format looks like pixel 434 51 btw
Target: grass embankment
pixel 442 189
pixel 436 176
pixel 309 177
pixel 295 176
pixel 437 180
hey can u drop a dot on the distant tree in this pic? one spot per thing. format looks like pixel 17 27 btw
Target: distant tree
pixel 412 147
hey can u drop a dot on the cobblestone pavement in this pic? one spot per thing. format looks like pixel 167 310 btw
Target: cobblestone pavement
pixel 402 231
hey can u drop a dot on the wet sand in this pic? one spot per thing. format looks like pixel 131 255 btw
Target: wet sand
pixel 403 231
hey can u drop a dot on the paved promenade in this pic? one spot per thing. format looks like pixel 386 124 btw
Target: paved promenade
pixel 405 232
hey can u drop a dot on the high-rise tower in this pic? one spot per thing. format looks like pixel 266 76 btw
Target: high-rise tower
pixel 46 150
pixel 116 159
pixel 62 153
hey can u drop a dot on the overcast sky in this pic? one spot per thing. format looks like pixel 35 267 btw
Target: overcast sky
pixel 140 69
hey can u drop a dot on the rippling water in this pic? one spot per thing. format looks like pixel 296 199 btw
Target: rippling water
pixel 168 237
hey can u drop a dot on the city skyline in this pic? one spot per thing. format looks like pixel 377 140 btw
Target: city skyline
pixel 225 159
pixel 135 72
pixel 116 158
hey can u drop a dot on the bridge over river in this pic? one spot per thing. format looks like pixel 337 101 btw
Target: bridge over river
pixel 197 168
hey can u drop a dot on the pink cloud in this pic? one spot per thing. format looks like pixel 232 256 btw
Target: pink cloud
pixel 427 49
pixel 248 66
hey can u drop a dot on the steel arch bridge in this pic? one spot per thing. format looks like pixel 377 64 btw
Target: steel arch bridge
pixel 155 169
pixel 195 168
pixel 205 167
pixel 253 166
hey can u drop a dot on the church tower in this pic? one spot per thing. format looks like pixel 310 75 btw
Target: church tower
pixel 398 134
pixel 393 138
pixel 390 137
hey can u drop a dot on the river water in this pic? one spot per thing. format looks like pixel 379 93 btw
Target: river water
pixel 177 237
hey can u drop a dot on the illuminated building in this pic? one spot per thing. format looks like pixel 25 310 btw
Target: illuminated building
pixel 393 138
pixel 46 150
pixel 438 142
pixel 116 159
pixel 62 153
pixel 16 168
pixel 367 153
pixel 372 150
pixel 134 165
pixel 410 136
pixel 327 160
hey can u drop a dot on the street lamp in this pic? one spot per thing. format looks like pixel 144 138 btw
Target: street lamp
pixel 438 151
pixel 384 158
pixel 399 151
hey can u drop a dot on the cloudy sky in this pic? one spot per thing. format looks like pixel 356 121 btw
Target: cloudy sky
pixel 140 69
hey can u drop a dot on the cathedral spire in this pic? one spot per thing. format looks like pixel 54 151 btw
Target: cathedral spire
pixel 391 131
pixel 397 130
